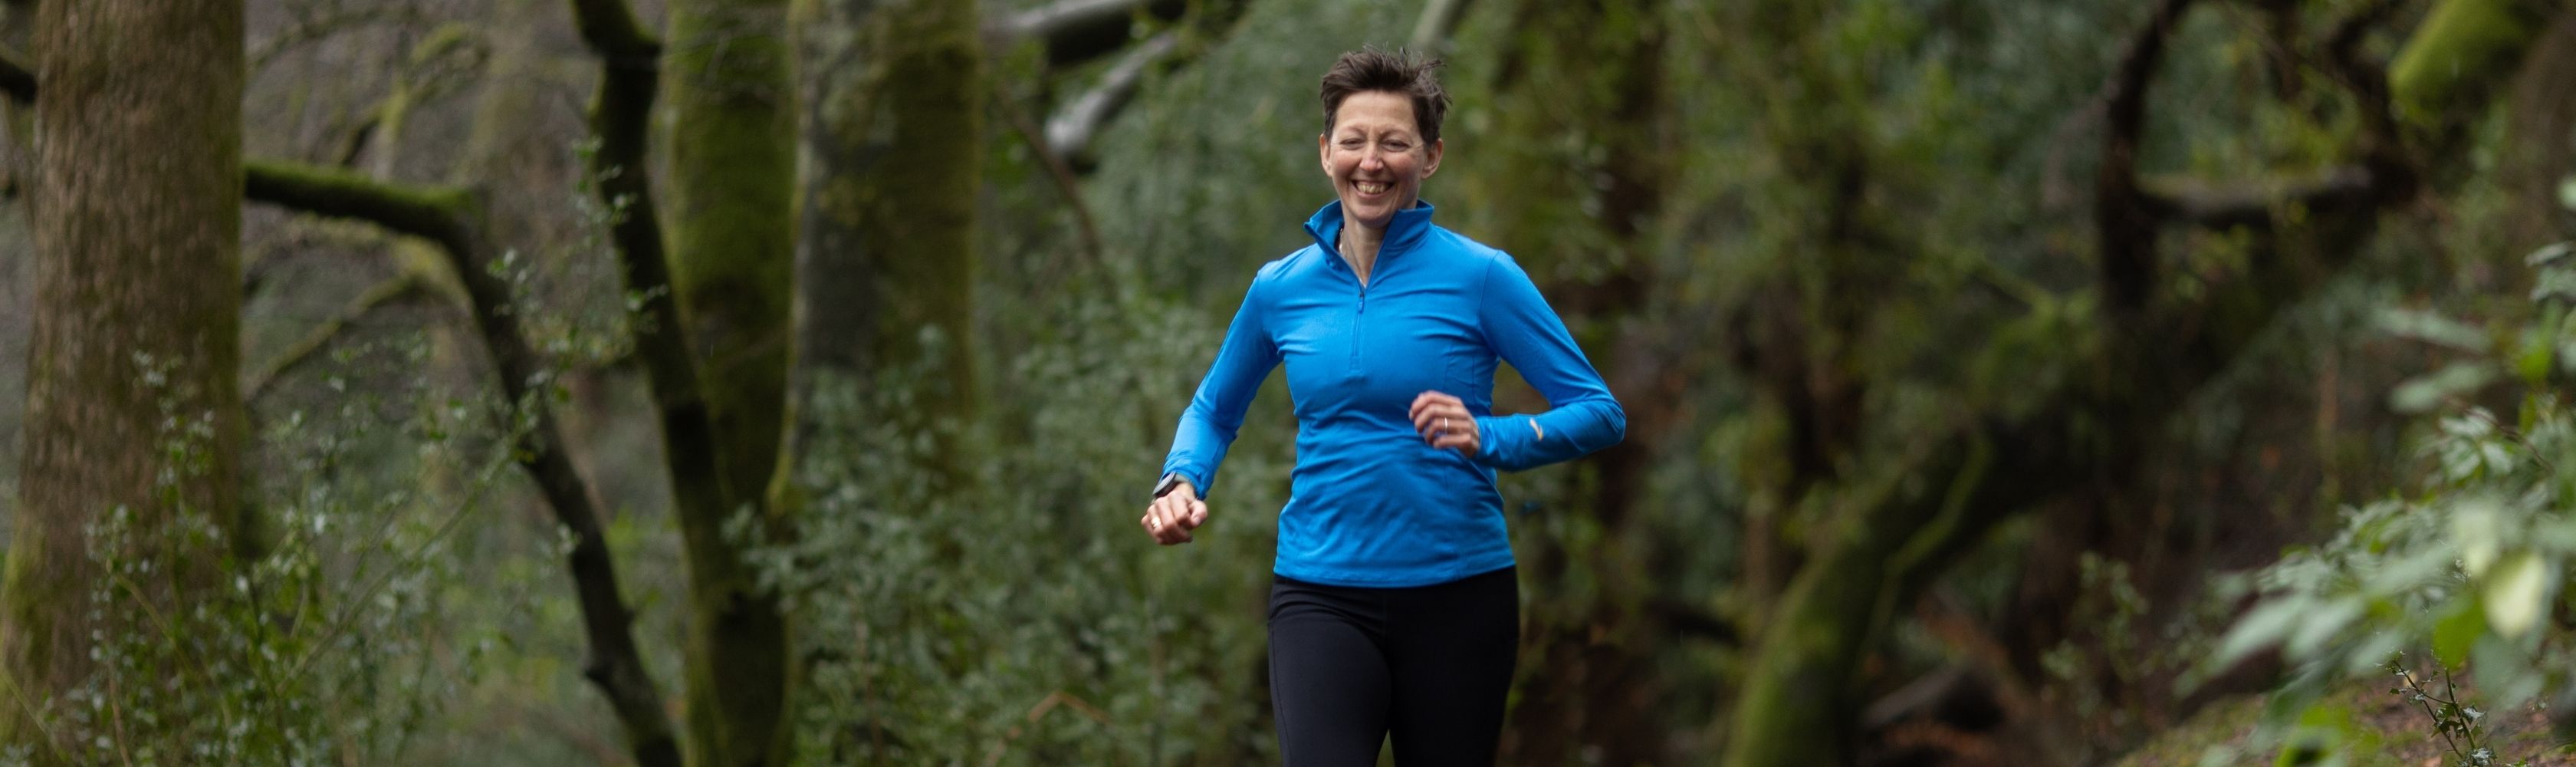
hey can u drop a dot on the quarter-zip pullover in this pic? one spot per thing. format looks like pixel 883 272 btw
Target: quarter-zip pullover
pixel 1370 503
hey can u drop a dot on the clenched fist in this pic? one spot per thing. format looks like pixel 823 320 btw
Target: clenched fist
pixel 1171 518
pixel 1444 422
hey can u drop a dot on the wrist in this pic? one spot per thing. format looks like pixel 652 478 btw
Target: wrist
pixel 1492 438
pixel 1173 481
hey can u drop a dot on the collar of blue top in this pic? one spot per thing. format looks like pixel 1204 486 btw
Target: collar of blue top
pixel 1401 234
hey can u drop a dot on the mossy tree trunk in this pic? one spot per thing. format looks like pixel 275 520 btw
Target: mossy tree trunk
pixel 1888 538
pixel 730 222
pixel 2461 57
pixel 890 143
pixel 133 391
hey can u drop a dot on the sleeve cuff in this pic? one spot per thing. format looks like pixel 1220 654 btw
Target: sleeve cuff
pixel 1503 438
pixel 1198 479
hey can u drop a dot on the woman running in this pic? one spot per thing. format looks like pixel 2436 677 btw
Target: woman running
pixel 1395 613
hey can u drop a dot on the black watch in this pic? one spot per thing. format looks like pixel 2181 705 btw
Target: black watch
pixel 1170 481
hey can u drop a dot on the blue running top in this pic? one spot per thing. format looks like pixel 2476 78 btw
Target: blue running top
pixel 1370 503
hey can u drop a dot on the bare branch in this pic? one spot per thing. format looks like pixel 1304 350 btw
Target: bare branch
pixel 16 77
pixel 1076 31
pixel 2254 204
pixel 1066 182
pixel 619 118
pixel 321 335
pixel 1069 131
pixel 2127 227
pixel 1439 21
pixel 610 29
pixel 2368 83
pixel 432 213
pixel 451 218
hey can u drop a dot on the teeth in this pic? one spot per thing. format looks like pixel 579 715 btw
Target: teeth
pixel 1369 188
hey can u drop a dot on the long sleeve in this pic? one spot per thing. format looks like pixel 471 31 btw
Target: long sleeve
pixel 1582 416
pixel 1208 427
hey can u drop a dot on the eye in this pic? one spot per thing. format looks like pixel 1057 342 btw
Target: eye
pixel 1397 146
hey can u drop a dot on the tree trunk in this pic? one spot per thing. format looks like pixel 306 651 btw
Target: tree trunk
pixel 890 145
pixel 889 148
pixel 2464 53
pixel 133 392
pixel 730 219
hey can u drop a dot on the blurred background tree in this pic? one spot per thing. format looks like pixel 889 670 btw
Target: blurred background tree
pixel 134 410
pixel 1984 362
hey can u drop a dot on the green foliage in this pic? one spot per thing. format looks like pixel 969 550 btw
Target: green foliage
pixel 2112 607
pixel 567 300
pixel 1026 619
pixel 2472 561
pixel 398 601
pixel 2456 723
pixel 334 642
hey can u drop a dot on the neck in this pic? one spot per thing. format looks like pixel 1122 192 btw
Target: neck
pixel 1359 246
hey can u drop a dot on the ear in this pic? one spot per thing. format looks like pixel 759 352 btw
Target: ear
pixel 1433 165
pixel 1324 153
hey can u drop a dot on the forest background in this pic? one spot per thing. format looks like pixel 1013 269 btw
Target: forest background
pixel 776 381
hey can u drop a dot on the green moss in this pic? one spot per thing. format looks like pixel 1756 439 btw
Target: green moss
pixel 418 210
pixel 729 214
pixel 2464 50
pixel 897 150
pixel 729 218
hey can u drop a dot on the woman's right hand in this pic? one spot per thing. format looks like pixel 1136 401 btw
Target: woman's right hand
pixel 1171 517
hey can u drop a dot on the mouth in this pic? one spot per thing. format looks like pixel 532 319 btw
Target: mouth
pixel 1371 188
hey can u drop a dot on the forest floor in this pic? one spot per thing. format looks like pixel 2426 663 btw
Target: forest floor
pixel 2386 730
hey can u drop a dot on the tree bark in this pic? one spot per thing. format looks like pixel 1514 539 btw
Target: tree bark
pixel 451 219
pixel 731 215
pixel 737 646
pixel 133 378
pixel 889 145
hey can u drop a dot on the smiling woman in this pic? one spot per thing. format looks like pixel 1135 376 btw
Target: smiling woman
pixel 1381 139
pixel 1395 609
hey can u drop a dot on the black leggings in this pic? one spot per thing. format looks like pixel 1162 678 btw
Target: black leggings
pixel 1427 665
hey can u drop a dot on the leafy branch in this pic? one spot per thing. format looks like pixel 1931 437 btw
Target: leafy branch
pixel 2449 716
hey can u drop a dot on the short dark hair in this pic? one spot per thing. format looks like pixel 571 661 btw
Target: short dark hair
pixel 1397 71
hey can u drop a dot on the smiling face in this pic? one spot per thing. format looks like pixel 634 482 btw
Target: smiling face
pixel 1376 157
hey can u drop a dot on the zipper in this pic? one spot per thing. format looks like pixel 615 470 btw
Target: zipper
pixel 1359 329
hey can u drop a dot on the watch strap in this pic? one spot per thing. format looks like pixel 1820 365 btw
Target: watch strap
pixel 1170 480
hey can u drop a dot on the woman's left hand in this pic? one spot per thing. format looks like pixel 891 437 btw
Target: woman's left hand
pixel 1444 422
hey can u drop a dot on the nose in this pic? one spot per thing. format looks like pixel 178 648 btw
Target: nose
pixel 1371 159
